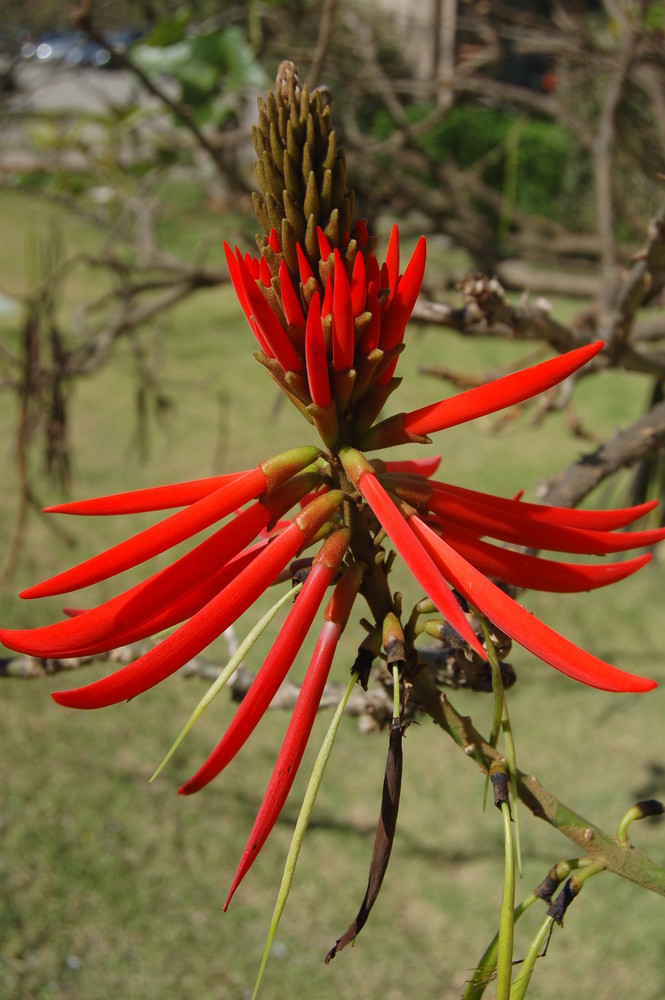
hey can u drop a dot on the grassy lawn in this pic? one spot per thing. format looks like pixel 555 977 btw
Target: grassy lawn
pixel 112 887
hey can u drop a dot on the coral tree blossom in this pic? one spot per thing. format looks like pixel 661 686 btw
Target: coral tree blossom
pixel 329 319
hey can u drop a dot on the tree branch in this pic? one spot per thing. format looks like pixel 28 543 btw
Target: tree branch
pixel 622 859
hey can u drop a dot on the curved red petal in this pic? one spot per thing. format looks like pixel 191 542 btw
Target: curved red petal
pixel 150 542
pixel 107 625
pixel 391 266
pixel 414 466
pixel 416 557
pixel 522 526
pixel 147 500
pixel 343 331
pixel 523 570
pixel 522 626
pixel 292 750
pixel 274 669
pixel 290 301
pixel 499 394
pixel 271 329
pixel 316 359
pixel 571 517
pixel 397 315
pixel 358 285
pixel 198 632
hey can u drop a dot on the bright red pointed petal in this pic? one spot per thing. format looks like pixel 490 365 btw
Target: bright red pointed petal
pixel 107 625
pixel 521 524
pixel 144 501
pixel 358 285
pixel 520 625
pixel 303 265
pixel 416 557
pixel 397 315
pixel 500 394
pixel 372 332
pixel 415 466
pixel 208 623
pixel 156 539
pixel 293 748
pixel 271 329
pixel 533 573
pixel 264 273
pixel 290 301
pixel 571 517
pixel 392 266
pixel 276 665
pixel 342 311
pixel 188 640
pixel 316 360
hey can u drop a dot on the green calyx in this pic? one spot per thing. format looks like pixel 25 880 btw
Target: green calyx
pixel 300 170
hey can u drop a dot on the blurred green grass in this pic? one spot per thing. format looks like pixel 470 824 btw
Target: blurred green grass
pixel 114 887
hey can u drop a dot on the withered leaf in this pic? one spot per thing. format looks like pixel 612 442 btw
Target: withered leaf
pixel 383 842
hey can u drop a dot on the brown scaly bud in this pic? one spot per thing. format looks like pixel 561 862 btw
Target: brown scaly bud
pixel 300 171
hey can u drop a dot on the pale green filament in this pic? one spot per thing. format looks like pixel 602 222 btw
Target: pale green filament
pixel 228 671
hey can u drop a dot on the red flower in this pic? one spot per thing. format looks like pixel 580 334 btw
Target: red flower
pixel 329 321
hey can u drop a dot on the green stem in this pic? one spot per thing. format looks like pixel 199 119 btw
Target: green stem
pixel 622 859
pixel 501 720
pixel 504 965
pixel 521 984
pixel 487 964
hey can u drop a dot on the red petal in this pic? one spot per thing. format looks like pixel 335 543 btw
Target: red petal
pixel 521 524
pixel 234 264
pixel 327 306
pixel 416 558
pixel 499 394
pixel 293 747
pixel 343 332
pixel 275 667
pixel 358 285
pixel 150 542
pixel 264 273
pixel 415 466
pixel 303 265
pixel 533 573
pixel 522 626
pixel 133 611
pixel 290 301
pixel 144 501
pixel 372 332
pixel 271 329
pixel 571 517
pixel 208 623
pixel 397 315
pixel 198 632
pixel 392 266
pixel 361 233
pixel 324 246
pixel 315 356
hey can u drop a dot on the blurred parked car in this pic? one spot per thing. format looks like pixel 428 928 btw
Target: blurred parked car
pixel 74 48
